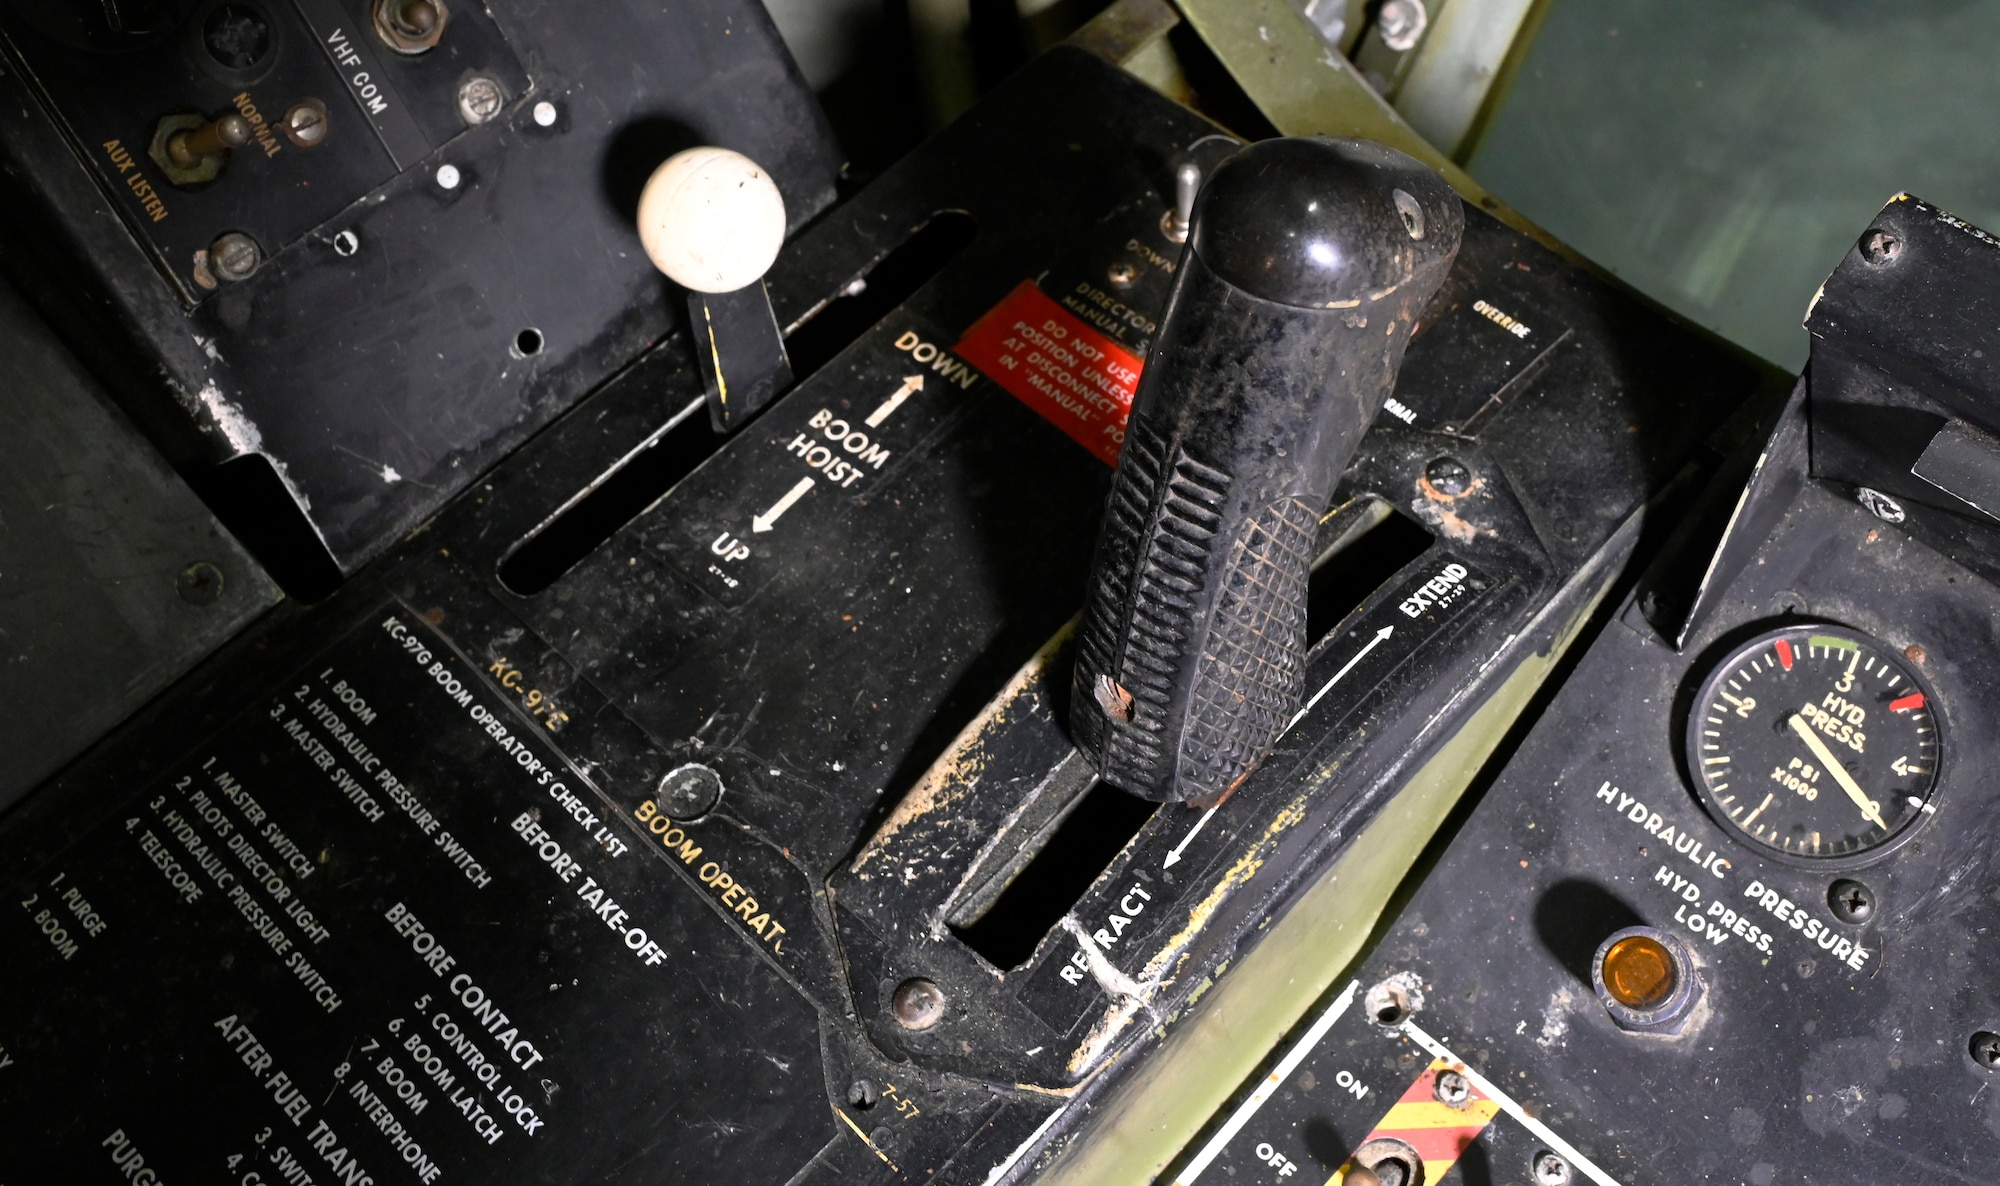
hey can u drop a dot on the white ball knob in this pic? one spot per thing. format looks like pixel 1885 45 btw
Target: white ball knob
pixel 711 219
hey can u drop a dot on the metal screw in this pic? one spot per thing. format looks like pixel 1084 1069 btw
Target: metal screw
pixel 1986 1049
pixel 1880 247
pixel 1450 1087
pixel 447 176
pixel 863 1094
pixel 689 791
pixel 305 123
pixel 1121 274
pixel 234 256
pixel 1915 653
pixel 1411 212
pixel 480 99
pixel 1402 23
pixel 1850 901
pixel 918 1004
pixel 346 243
pixel 1551 1169
pixel 545 114
pixel 1880 505
pixel 1187 183
pixel 1448 476
pixel 199 583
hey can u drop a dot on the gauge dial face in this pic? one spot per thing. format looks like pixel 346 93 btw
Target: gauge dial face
pixel 1815 741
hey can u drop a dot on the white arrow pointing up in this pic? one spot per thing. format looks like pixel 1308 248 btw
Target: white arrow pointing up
pixel 765 521
pixel 1174 857
pixel 1374 642
pixel 911 384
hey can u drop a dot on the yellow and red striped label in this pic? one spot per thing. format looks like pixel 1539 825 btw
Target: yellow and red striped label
pixel 1439 1132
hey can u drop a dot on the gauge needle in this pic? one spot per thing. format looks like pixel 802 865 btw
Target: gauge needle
pixel 1838 771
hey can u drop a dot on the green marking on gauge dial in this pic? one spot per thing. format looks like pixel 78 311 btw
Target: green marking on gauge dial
pixel 1815 745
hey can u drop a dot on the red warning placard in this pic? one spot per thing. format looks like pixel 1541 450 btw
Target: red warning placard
pixel 1077 378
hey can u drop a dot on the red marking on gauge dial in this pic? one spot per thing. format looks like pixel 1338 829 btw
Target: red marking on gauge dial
pixel 1785 654
pixel 1909 703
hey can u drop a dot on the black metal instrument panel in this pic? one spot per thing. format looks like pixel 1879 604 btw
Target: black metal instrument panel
pixel 1774 758
pixel 428 290
pixel 860 656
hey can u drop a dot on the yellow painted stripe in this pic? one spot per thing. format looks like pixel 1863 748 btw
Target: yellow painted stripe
pixel 1432 1114
pixel 864 1138
pixel 1420 1114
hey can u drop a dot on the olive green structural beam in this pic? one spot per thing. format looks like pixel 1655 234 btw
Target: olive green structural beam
pixel 1462 70
pixel 1302 84
pixel 1306 88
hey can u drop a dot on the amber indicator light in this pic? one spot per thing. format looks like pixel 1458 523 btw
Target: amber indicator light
pixel 1639 972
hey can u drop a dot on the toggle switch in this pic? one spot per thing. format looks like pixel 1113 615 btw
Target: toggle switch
pixel 191 150
pixel 713 220
pixel 410 27
pixel 1306 265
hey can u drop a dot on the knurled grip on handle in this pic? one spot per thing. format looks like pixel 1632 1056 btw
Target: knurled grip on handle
pixel 1306 266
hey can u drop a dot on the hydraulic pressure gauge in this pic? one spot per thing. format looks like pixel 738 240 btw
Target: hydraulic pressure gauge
pixel 1816 742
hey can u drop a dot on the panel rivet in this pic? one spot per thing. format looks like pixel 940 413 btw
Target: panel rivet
pixel 1551 1169
pixel 918 1004
pixel 1850 901
pixel 1880 247
pixel 1448 476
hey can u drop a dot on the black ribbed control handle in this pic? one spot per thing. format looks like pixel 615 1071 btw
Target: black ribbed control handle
pixel 1307 263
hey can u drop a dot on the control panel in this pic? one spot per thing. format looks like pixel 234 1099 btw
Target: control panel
pixel 1724 916
pixel 339 257
pixel 682 804
pixel 228 130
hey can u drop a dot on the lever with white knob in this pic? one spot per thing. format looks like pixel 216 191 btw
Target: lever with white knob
pixel 713 220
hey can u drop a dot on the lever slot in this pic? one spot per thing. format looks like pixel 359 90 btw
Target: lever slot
pixel 644 475
pixel 617 497
pixel 830 327
pixel 1026 892
pixel 1076 825
pixel 1372 542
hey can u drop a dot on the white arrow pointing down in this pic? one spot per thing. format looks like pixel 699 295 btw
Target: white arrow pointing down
pixel 768 519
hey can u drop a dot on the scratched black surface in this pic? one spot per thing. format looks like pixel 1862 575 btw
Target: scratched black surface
pixel 1804 1064
pixel 391 350
pixel 613 1004
pixel 895 610
pixel 1825 1050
